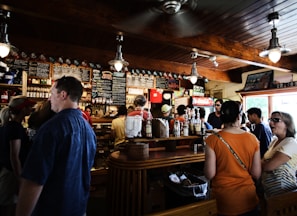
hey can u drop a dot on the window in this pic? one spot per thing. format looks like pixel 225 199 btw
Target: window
pixel 284 102
pixel 259 102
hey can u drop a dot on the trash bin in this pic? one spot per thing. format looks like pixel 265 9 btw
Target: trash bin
pixel 183 188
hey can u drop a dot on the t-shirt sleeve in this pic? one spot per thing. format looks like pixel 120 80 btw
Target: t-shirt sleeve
pixel 289 148
pixel 41 158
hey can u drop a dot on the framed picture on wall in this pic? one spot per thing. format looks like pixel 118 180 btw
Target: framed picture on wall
pixel 258 81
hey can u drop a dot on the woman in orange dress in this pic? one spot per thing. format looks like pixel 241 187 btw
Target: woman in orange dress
pixel 233 179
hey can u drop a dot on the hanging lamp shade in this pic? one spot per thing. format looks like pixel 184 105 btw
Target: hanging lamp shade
pixel 194 73
pixel 274 50
pixel 5 46
pixel 119 63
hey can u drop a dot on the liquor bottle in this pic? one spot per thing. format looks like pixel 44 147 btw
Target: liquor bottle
pixel 148 126
pixel 198 123
pixel 192 123
pixel 176 128
pixel 186 126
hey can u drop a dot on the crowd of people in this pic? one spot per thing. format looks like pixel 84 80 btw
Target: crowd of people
pixel 245 165
pixel 45 168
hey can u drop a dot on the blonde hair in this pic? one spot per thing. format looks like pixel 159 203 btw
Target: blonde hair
pixel 14 107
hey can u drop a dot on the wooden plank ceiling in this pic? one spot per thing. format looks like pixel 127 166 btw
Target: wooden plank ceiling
pixel 235 31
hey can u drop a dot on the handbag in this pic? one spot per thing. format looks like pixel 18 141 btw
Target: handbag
pixel 232 151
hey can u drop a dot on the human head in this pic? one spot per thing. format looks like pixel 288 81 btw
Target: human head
pixel 165 109
pixel 122 110
pixel 230 111
pixel 65 93
pixel 139 100
pixel 18 105
pixel 181 109
pixel 281 122
pixel 41 114
pixel 88 109
pixel 130 109
pixel 256 111
pixel 218 105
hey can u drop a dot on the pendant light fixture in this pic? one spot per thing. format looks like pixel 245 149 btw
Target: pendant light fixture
pixel 274 51
pixel 194 73
pixel 119 63
pixel 5 46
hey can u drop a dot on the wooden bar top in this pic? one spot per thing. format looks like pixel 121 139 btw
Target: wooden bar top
pixel 156 159
pixel 171 138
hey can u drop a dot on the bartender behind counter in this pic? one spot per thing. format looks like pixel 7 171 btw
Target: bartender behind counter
pixel 118 127
pixel 166 114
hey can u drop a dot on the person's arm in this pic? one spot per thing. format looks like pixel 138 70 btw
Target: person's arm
pixel 277 160
pixel 210 163
pixel 15 146
pixel 256 166
pixel 28 197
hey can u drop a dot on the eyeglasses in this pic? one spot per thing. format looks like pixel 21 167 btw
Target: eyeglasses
pixel 275 120
pixel 218 104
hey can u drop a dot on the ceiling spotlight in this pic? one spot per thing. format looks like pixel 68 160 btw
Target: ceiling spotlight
pixel 118 63
pixel 213 59
pixel 274 51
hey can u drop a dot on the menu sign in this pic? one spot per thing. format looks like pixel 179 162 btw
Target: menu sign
pixel 161 83
pixel 102 85
pixel 39 69
pixel 81 73
pixel 140 81
pixel 164 83
pixel 119 89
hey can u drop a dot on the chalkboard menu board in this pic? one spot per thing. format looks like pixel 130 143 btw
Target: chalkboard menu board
pixel 102 85
pixel 81 73
pixel 163 83
pixel 140 81
pixel 39 69
pixel 119 89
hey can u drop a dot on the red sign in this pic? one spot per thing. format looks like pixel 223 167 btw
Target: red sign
pixel 202 101
pixel 156 95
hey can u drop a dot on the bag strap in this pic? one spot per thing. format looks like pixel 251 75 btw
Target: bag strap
pixel 232 151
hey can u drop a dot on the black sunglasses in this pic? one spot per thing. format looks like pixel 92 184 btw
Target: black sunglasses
pixel 218 104
pixel 275 120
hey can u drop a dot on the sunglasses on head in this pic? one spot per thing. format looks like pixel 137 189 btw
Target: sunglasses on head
pixel 275 120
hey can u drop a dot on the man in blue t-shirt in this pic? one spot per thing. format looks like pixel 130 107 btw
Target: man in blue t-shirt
pixel 56 174
pixel 214 118
pixel 260 130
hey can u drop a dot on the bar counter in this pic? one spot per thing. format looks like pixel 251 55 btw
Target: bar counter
pixel 127 191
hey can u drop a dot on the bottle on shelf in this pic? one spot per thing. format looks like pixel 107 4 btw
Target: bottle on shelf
pixel 148 126
pixel 176 128
pixel 186 125
pixel 192 123
pixel 198 123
